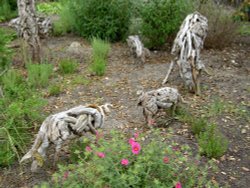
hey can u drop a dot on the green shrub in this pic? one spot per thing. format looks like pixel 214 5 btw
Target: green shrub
pixel 54 90
pixel 49 8
pixel 212 143
pixel 67 66
pixel 162 18
pixel 4 50
pixel 222 30
pixel 39 74
pixel 104 19
pixel 113 163
pixel 20 108
pixel 7 10
pixel 198 125
pixel 100 53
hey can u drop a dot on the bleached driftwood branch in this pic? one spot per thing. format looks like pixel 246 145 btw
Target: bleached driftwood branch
pixel 63 126
pixel 187 46
pixel 44 26
pixel 162 98
pixel 137 49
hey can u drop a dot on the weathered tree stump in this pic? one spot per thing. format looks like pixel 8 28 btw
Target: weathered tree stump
pixel 58 128
pixel 28 27
pixel 187 46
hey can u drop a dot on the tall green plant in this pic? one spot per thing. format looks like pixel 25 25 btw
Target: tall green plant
pixel 162 18
pixel 4 50
pixel 107 19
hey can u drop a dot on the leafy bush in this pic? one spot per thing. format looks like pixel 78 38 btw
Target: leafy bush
pixel 162 18
pixel 49 8
pixel 212 143
pixel 100 53
pixel 39 74
pixel 4 50
pixel 67 66
pixel 198 125
pixel 222 30
pixel 20 108
pixel 7 9
pixel 117 162
pixel 104 19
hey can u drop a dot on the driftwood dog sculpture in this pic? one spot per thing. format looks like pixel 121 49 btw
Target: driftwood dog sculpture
pixel 63 126
pixel 153 101
pixel 137 49
pixel 187 46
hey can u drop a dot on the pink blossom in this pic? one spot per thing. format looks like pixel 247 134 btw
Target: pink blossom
pixel 136 135
pixel 101 155
pixel 151 122
pixel 136 147
pixel 124 162
pixel 178 185
pixel 166 159
pixel 66 175
pixel 88 149
pixel 131 141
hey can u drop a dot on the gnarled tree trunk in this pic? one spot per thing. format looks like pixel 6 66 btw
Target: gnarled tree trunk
pixel 29 27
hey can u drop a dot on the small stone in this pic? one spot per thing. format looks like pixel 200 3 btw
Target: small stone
pixel 245 169
pixel 243 131
pixel 224 173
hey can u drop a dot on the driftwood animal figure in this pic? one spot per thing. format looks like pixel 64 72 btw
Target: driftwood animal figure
pixel 28 27
pixel 187 46
pixel 155 100
pixel 137 49
pixel 44 26
pixel 64 126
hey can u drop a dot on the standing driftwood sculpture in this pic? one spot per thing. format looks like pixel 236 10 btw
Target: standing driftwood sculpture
pixel 153 101
pixel 137 49
pixel 29 27
pixel 187 46
pixel 63 126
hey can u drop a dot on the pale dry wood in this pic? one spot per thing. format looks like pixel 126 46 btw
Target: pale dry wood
pixel 155 100
pixel 186 49
pixel 58 128
pixel 137 49
pixel 28 27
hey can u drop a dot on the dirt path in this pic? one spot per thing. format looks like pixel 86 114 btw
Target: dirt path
pixel 229 81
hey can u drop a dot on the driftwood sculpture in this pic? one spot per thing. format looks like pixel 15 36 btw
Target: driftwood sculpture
pixel 187 46
pixel 28 27
pixel 137 49
pixel 153 101
pixel 63 126
pixel 44 26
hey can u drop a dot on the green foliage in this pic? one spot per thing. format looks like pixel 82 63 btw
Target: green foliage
pixel 67 66
pixel 198 125
pixel 107 19
pixel 49 8
pixel 100 53
pixel 39 74
pixel 156 165
pixel 212 143
pixel 79 79
pixel 162 18
pixel 4 50
pixel 244 29
pixel 222 29
pixel 54 90
pixel 20 108
pixel 7 9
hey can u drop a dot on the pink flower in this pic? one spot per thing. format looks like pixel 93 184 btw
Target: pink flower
pixel 131 141
pixel 136 147
pixel 66 175
pixel 166 159
pixel 136 135
pixel 88 149
pixel 101 155
pixel 124 162
pixel 151 122
pixel 178 185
